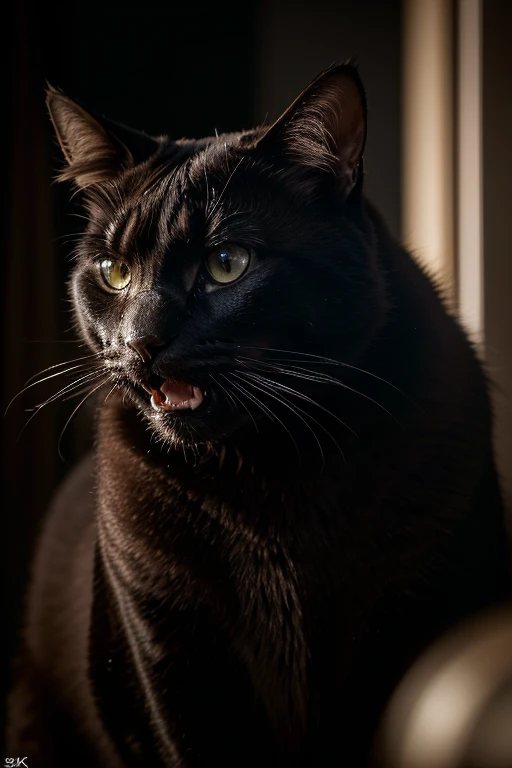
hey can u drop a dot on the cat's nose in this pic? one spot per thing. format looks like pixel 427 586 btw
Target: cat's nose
pixel 145 346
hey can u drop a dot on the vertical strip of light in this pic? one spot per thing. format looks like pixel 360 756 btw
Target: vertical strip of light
pixel 469 130
pixel 428 159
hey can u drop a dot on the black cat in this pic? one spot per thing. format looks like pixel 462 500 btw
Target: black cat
pixel 293 489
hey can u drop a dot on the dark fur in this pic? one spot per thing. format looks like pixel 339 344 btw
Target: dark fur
pixel 211 590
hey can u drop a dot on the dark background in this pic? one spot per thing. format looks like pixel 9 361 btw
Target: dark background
pixel 184 69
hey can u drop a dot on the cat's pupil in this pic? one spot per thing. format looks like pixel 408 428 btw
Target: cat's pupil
pixel 225 261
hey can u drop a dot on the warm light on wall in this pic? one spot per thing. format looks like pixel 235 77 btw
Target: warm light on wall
pixel 428 209
pixel 470 182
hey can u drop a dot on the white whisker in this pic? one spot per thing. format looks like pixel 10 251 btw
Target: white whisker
pixel 281 400
pixel 76 385
pixel 274 384
pixel 224 189
pixel 28 385
pixel 304 373
pixel 308 399
pixel 228 395
pixel 321 360
pixel 95 389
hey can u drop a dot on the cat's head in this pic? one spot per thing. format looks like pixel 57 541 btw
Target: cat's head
pixel 214 271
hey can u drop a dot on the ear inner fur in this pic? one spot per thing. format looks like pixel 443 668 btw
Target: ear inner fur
pixel 91 153
pixel 325 127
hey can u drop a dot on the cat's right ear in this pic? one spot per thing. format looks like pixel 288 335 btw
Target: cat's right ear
pixel 323 133
pixel 95 149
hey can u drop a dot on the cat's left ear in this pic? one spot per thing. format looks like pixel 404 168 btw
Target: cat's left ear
pixel 95 148
pixel 324 130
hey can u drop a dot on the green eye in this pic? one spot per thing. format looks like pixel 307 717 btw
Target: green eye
pixel 116 274
pixel 227 263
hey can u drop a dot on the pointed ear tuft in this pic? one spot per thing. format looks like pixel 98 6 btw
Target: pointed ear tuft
pixel 324 130
pixel 93 151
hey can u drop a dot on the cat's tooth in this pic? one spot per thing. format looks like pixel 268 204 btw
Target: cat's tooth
pixel 157 401
pixel 196 399
pixel 154 404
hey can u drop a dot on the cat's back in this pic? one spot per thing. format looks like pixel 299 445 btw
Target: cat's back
pixel 62 571
pixel 52 701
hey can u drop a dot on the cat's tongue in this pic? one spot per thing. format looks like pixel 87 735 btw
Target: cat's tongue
pixel 176 395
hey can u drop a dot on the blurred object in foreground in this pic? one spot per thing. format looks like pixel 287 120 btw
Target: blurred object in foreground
pixel 454 707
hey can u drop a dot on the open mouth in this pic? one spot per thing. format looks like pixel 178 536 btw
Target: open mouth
pixel 175 396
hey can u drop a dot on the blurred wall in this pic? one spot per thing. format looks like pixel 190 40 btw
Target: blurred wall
pixel 497 222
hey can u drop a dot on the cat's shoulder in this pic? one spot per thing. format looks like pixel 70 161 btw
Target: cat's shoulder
pixel 76 491
pixel 52 694
pixel 72 507
pixel 64 557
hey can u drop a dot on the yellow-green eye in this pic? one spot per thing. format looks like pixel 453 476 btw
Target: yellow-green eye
pixel 227 263
pixel 116 274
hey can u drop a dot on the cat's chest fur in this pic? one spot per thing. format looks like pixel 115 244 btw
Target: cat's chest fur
pixel 198 564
